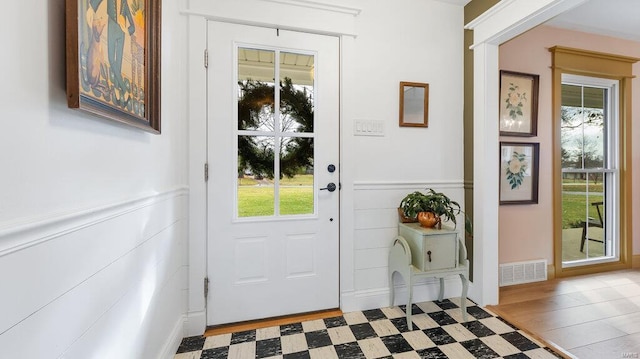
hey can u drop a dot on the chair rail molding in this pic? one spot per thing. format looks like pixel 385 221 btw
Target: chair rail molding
pixel 386 185
pixel 27 232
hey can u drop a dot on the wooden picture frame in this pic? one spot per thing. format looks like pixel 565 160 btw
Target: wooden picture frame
pixel 518 104
pixel 113 60
pixel 519 172
pixel 414 104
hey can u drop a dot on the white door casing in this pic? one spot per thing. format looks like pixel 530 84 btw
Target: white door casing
pixel 269 266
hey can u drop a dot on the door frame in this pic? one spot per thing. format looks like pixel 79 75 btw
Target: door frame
pixel 196 319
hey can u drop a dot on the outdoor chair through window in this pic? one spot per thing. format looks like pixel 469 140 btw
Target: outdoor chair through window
pixel 593 222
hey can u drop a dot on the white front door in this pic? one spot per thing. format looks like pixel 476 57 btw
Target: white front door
pixel 273 150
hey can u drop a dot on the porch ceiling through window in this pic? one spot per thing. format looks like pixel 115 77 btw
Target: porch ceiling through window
pixel 260 64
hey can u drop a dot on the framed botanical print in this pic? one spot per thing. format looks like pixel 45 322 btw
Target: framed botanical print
pixel 113 60
pixel 518 104
pixel 519 165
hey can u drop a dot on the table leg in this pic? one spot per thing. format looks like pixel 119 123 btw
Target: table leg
pixel 391 289
pixel 409 307
pixel 463 298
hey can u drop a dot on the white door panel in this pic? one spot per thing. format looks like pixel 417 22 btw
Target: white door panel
pixel 272 243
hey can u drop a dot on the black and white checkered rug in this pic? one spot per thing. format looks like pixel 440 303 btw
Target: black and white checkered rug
pixel 438 332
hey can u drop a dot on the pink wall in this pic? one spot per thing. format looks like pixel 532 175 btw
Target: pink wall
pixel 526 230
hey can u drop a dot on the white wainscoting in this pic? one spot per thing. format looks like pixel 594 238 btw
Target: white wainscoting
pixel 376 224
pixel 106 282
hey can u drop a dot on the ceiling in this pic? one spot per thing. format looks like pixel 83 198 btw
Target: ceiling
pixel 456 2
pixel 616 18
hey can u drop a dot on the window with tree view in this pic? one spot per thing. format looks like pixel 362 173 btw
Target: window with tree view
pixel 275 133
pixel 589 168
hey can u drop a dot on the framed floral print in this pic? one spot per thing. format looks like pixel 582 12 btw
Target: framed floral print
pixel 519 164
pixel 113 60
pixel 518 104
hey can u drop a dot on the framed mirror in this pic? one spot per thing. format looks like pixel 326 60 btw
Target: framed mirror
pixel 414 104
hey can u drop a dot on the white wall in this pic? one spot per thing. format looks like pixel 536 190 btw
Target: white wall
pixel 417 41
pixel 93 214
pixel 407 40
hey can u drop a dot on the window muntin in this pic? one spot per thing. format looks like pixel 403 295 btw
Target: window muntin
pixel 275 154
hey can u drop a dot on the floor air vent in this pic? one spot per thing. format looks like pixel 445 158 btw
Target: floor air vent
pixel 523 272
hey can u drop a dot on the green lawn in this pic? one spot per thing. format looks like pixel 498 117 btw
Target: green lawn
pixel 296 200
pixel 581 187
pixel 298 180
pixel 254 201
pixel 247 181
pixel 574 207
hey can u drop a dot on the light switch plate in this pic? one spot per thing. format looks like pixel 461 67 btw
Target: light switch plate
pixel 368 128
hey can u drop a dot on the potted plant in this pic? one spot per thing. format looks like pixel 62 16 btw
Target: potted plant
pixel 429 208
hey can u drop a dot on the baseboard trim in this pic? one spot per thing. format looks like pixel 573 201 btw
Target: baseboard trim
pixel 195 323
pixel 551 268
pixel 551 271
pixel 379 297
pixel 173 341
pixel 25 233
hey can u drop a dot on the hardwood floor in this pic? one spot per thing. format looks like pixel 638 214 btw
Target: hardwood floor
pixel 592 316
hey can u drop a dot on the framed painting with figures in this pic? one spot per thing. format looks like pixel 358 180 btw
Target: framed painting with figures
pixel 113 60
